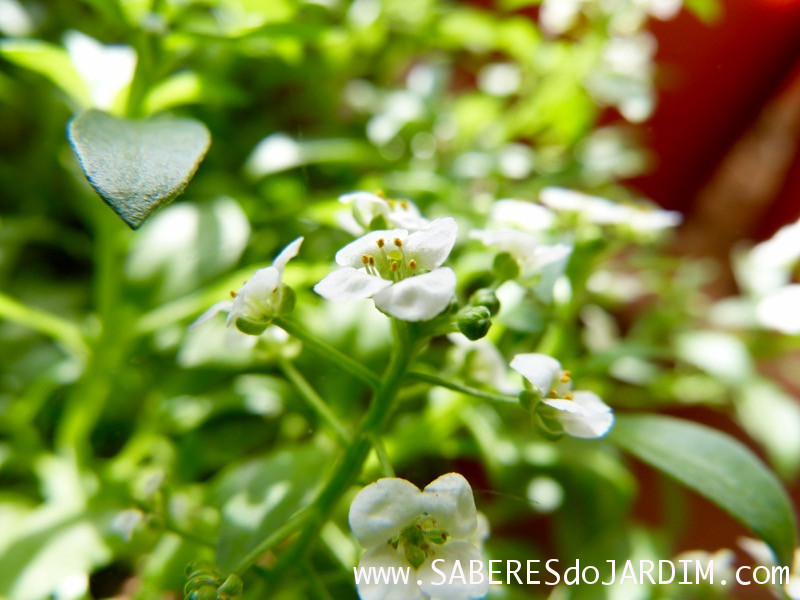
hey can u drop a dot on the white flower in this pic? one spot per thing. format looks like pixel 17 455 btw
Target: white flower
pixel 515 227
pixel 602 211
pixel 401 527
pixel 260 298
pixel 400 271
pixel 778 310
pixel 581 414
pixel 107 70
pixel 367 207
pixel 768 265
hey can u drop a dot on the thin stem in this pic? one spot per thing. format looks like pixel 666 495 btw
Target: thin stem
pixel 464 389
pixel 277 536
pixel 314 401
pixel 354 457
pixel 61 330
pixel 383 457
pixel 326 350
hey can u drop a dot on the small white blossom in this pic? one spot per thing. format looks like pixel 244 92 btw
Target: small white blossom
pixel 401 527
pixel 367 207
pixel 400 271
pixel 259 300
pixel 602 211
pixel 515 227
pixel 581 414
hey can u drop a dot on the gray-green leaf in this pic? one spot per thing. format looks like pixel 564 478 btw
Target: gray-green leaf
pixel 137 165
pixel 717 467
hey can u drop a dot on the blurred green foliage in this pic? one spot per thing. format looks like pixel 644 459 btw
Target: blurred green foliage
pixel 131 445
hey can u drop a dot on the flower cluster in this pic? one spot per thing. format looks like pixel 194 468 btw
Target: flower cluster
pixel 401 526
pixel 399 270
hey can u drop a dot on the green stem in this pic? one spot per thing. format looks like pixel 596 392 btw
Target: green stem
pixel 61 330
pixel 464 389
pixel 353 460
pixel 326 350
pixel 86 400
pixel 277 536
pixel 314 400
pixel 383 456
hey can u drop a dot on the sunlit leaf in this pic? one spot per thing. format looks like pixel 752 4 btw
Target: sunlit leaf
pixel 51 61
pixel 717 467
pixel 137 166
pixel 259 496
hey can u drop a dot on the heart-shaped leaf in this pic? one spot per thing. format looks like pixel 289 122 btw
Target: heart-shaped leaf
pixel 717 467
pixel 137 165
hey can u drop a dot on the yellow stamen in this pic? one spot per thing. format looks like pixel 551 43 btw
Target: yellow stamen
pixel 568 396
pixel 381 194
pixel 233 294
pixel 412 264
pixel 365 259
pixel 371 261
pixel 404 204
pixel 553 394
pixel 381 242
pixel 398 242
pixel 564 378
pixel 394 266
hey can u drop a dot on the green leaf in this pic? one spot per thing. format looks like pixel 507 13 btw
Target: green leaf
pixel 718 468
pixel 258 497
pixel 50 61
pixel 137 166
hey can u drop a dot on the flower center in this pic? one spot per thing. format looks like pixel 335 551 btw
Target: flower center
pixel 392 264
pixel 417 540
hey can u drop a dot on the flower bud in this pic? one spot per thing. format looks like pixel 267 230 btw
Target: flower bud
pixel 474 322
pixel 486 297
pixel 505 267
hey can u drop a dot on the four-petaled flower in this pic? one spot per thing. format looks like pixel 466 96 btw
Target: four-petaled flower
pixel 425 533
pixel 261 298
pixel 400 271
pixel 579 413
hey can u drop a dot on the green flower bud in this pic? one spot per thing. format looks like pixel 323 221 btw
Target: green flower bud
pixel 486 297
pixel 196 568
pixel 474 322
pixel 232 588
pixel 207 592
pixel 505 267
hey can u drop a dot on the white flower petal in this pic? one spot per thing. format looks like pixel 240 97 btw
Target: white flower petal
pixel 780 310
pixel 521 215
pixel 431 245
pixel 585 416
pixel 596 209
pixel 455 587
pixel 350 255
pixel 225 305
pixel 382 509
pixel 418 298
pixel 366 206
pixel 541 370
pixel 287 254
pixel 449 500
pixel 518 244
pixel 389 559
pixel 347 284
